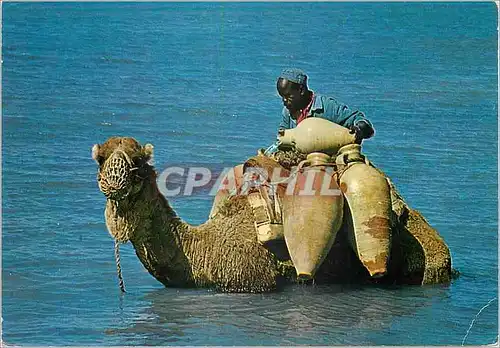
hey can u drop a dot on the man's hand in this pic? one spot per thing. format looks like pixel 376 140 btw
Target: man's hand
pixel 362 130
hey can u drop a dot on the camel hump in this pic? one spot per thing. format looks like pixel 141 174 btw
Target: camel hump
pixel 270 168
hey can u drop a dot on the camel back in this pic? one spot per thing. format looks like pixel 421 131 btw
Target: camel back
pixel 307 215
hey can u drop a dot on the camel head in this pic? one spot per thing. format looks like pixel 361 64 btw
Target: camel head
pixel 123 166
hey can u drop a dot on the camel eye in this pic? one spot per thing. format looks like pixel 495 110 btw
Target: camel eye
pixel 96 156
pixel 139 162
pixel 100 160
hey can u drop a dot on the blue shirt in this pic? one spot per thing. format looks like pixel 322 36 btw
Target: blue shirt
pixel 325 107
pixel 329 109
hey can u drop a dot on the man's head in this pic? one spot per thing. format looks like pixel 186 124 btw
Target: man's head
pixel 292 87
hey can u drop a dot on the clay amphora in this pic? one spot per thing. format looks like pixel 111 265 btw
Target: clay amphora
pixel 312 214
pixel 316 134
pixel 367 194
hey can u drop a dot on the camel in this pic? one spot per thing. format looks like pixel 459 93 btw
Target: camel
pixel 223 253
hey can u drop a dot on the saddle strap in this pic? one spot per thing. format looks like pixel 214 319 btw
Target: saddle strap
pixel 266 223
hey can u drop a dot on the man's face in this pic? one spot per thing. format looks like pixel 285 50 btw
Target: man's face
pixel 291 93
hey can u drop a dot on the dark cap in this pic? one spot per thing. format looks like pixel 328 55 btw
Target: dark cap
pixel 294 75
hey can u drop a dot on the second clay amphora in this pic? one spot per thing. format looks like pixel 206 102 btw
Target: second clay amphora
pixel 313 212
pixel 368 197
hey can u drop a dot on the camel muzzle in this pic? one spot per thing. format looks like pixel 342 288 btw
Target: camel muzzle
pixel 115 177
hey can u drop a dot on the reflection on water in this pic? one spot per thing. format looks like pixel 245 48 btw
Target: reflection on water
pixel 319 315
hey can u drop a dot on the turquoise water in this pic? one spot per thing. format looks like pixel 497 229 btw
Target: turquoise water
pixel 198 82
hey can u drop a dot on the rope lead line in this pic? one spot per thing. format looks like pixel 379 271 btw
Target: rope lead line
pixel 118 266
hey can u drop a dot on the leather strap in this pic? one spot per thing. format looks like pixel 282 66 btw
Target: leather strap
pixel 268 223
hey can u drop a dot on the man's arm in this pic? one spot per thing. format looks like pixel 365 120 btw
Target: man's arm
pixel 355 120
pixel 285 119
pixel 284 124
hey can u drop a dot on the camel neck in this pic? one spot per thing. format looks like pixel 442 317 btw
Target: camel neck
pixel 158 235
pixel 157 214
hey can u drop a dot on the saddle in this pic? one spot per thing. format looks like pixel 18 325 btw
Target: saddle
pixel 265 185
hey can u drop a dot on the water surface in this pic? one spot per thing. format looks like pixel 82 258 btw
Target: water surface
pixel 198 82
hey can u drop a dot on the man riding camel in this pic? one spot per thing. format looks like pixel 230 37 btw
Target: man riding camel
pixel 300 103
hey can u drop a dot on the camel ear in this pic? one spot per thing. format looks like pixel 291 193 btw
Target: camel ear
pixel 148 152
pixel 95 152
